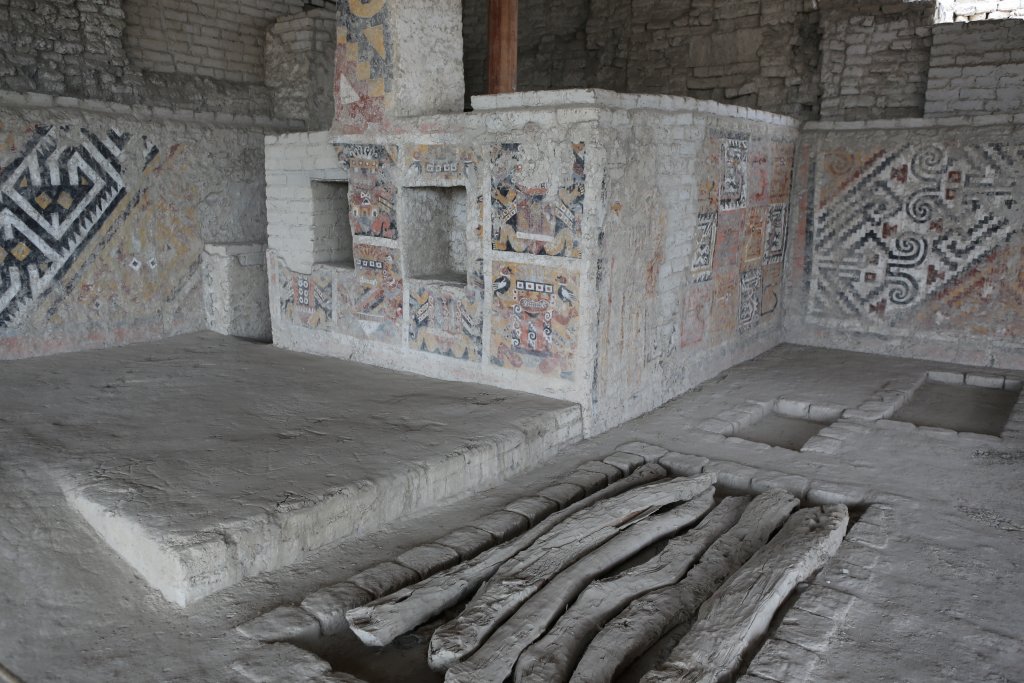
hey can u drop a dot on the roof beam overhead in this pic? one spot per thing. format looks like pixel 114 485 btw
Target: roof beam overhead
pixel 502 45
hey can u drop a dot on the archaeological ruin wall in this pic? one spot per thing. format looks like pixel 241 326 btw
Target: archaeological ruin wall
pixel 104 220
pixel 132 201
pixel 615 250
pixel 580 244
pixel 753 53
pixel 908 240
pixel 874 59
pixel 652 224
pixel 976 68
pixel 608 249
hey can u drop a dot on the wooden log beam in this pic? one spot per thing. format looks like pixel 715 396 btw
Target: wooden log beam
pixel 739 612
pixel 651 616
pixel 552 658
pixel 502 46
pixel 497 657
pixel 527 572
pixel 381 621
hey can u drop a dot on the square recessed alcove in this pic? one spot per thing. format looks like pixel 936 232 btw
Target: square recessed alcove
pixel 783 431
pixel 977 404
pixel 332 231
pixel 434 232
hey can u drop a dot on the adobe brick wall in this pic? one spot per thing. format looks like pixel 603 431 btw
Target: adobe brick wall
pixel 976 68
pixel 756 53
pixel 874 59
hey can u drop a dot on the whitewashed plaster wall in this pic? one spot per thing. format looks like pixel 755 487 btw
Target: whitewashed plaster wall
pixel 581 214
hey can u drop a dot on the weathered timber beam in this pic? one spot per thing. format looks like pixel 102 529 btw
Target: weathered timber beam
pixel 648 618
pixel 497 657
pixel 527 572
pixel 383 620
pixel 553 658
pixel 502 46
pixel 738 614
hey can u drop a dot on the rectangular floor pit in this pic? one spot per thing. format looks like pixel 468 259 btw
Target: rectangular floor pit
pixel 960 407
pixel 783 431
pixel 405 658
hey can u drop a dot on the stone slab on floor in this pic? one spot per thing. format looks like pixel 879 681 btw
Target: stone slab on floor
pixel 205 459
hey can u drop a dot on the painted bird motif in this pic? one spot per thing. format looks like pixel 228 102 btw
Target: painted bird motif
pixel 502 284
pixel 564 293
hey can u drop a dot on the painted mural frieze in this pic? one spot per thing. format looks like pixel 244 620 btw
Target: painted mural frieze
pixel 53 199
pixel 446 320
pixel 440 163
pixel 529 212
pixel 741 234
pixel 704 247
pixel 895 229
pixel 364 61
pixel 750 297
pixel 377 294
pixel 733 187
pixel 775 234
pixel 372 191
pixel 306 299
pixel 534 318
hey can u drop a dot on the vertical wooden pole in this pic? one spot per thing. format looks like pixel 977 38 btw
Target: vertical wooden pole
pixel 502 45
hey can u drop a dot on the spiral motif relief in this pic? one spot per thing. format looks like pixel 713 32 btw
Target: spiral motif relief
pixel 929 163
pixel 903 288
pixel 923 205
pixel 908 250
pixel 935 208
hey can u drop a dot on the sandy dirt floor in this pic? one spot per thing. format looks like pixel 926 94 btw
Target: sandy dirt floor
pixel 942 604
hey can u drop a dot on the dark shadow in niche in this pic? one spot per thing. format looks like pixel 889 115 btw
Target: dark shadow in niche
pixel 332 229
pixel 435 233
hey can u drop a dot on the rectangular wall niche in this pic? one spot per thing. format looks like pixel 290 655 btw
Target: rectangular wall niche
pixel 434 233
pixel 332 232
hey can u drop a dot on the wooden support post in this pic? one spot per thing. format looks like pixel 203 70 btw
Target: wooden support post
pixel 502 46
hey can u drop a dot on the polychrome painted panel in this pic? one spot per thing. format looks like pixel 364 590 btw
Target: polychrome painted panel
pixel 534 318
pixel 377 294
pixel 371 190
pixel 446 320
pixel 531 212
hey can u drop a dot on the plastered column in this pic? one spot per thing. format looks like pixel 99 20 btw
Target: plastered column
pixel 394 59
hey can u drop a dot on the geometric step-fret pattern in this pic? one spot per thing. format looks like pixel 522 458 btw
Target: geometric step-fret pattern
pixel 52 200
pixel 909 223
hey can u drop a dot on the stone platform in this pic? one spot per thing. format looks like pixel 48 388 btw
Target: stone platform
pixel 941 603
pixel 205 459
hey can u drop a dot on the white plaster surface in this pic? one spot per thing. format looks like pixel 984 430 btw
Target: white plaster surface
pixel 940 602
pixel 235 293
pixel 643 164
pixel 204 459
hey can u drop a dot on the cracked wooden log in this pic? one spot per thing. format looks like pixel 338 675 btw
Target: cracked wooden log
pixel 552 658
pixel 738 614
pixel 497 657
pixel 526 573
pixel 655 655
pixel 648 618
pixel 379 622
